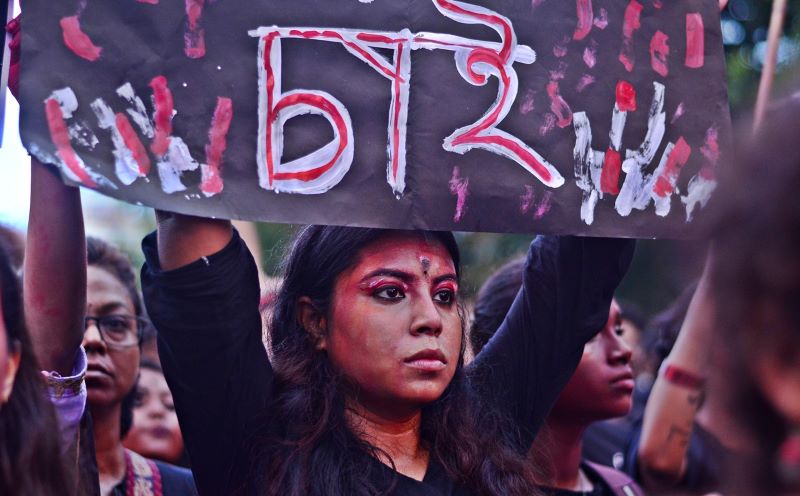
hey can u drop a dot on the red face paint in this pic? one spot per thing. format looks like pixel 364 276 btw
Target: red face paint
pixel 386 312
pixel 77 41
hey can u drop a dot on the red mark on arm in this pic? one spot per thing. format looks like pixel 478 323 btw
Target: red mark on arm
pixel 217 142
pixel 585 19
pixel 678 157
pixel 558 105
pixel 659 51
pixel 162 96
pixel 134 144
pixel 632 22
pixel 195 36
pixel 78 41
pixel 609 180
pixel 60 137
pixel 695 41
pixel 626 96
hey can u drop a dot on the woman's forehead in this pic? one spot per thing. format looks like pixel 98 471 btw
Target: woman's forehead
pixel 411 249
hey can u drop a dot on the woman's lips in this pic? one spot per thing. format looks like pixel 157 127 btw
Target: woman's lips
pixel 96 369
pixel 624 381
pixel 430 360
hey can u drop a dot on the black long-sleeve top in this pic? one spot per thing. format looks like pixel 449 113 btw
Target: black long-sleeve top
pixel 215 363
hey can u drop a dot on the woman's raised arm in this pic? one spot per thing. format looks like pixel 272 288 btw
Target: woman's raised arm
pixel 564 300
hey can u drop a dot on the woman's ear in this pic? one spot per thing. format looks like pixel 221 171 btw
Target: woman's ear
pixel 10 373
pixel 313 321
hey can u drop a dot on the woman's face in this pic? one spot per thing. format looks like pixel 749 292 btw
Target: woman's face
pixel 111 371
pixel 155 432
pixel 602 385
pixel 394 329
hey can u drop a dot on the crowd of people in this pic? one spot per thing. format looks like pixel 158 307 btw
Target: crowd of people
pixel 363 371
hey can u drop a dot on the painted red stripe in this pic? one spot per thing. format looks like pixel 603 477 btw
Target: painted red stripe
pixel 375 63
pixel 162 96
pixel 585 19
pixel 527 158
pixel 195 37
pixel 398 104
pixel 680 154
pixel 60 137
pixel 612 165
pixel 632 22
pixel 695 41
pixel 508 32
pixel 659 53
pixel 268 40
pixel 217 143
pixel 77 41
pixel 134 144
pixel 626 96
pixel 327 106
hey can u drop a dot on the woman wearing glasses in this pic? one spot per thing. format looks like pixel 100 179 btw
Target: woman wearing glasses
pixel 113 326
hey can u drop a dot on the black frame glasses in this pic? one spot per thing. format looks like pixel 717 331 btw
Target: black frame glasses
pixel 118 330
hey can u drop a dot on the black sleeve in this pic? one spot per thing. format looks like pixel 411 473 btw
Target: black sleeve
pixel 209 341
pixel 564 301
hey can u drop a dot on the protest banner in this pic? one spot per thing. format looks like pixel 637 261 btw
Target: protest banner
pixel 586 117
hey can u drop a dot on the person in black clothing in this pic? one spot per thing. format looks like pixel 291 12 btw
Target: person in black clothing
pixel 366 392
pixel 600 388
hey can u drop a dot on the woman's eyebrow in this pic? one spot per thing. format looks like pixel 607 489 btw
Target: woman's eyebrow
pixel 385 272
pixel 445 277
pixel 110 307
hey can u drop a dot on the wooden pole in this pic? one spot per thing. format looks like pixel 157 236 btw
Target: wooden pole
pixel 770 60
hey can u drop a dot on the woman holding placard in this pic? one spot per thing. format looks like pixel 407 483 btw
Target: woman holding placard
pixel 366 392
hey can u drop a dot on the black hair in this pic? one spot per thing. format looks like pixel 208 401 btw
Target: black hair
pixel 308 448
pixel 494 300
pixel 662 330
pixel 30 449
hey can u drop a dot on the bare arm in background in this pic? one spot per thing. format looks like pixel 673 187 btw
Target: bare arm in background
pixel 55 270
pixel 671 409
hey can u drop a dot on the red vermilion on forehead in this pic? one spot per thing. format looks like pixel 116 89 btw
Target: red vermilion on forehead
pixel 398 247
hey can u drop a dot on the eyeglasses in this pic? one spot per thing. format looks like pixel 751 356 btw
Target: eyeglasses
pixel 118 330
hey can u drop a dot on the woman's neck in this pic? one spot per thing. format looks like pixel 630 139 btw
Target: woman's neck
pixel 563 442
pixel 397 438
pixel 108 447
